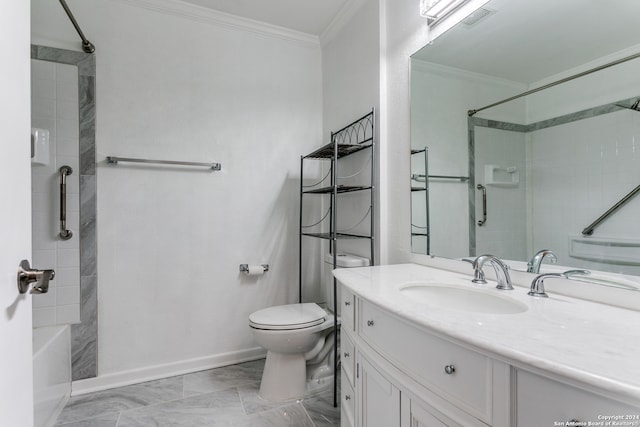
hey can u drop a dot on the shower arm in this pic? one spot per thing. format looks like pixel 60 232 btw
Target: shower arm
pixel 87 46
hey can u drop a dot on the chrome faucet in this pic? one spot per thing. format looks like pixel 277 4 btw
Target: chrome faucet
pixel 502 271
pixel 533 266
pixel 537 286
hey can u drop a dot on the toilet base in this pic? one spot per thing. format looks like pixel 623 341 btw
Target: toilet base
pixel 285 378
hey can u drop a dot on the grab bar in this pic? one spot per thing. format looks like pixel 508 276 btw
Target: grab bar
pixel 64 233
pixel 588 231
pixel 484 205
pixel 115 160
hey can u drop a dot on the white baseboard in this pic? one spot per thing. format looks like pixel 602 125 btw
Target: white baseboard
pixel 150 373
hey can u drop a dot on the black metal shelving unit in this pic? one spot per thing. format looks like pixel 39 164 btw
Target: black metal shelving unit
pixel 355 137
pixel 420 184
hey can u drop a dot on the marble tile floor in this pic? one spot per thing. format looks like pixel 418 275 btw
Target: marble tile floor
pixel 225 396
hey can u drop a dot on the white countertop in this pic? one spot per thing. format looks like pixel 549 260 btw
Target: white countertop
pixel 594 344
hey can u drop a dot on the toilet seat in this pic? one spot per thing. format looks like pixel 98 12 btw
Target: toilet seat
pixel 288 317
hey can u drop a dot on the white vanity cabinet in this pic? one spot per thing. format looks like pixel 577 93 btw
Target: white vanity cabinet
pixel 542 401
pixel 398 373
pixel 405 376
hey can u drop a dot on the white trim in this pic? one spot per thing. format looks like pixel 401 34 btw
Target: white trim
pixel 340 20
pixel 444 70
pixel 210 16
pixel 631 50
pixel 150 373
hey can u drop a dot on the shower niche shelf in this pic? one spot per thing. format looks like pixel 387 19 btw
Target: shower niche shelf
pixel 358 136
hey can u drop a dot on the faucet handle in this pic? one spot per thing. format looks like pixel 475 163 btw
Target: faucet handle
pixel 537 285
pixel 478 274
pixel 570 273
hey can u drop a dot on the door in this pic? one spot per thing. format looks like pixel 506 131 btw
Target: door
pixel 416 413
pixel 380 399
pixel 16 378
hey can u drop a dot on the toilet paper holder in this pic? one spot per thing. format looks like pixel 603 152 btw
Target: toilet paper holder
pixel 244 268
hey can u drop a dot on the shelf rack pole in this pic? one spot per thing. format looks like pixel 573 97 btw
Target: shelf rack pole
pixel 334 248
pixel 300 234
pixel 426 198
pixel 373 182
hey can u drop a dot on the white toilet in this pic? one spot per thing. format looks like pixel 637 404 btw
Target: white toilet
pixel 299 343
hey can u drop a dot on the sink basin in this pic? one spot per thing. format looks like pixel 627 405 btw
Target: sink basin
pixel 460 298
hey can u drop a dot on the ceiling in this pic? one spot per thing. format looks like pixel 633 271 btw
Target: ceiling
pixel 527 41
pixel 307 16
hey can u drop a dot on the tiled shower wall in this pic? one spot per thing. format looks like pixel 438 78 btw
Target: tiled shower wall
pixel 54 107
pixel 578 171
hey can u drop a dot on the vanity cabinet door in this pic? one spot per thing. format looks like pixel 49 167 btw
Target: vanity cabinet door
pixel 347 404
pixel 544 402
pixel 348 309
pixel 416 413
pixel 379 398
pixel 347 356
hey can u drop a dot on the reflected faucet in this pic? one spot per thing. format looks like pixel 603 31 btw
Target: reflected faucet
pixel 533 266
pixel 502 271
pixel 537 285
pixel 478 274
pixel 570 273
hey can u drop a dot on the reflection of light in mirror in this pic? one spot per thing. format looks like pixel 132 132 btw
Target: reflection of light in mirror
pixel 443 15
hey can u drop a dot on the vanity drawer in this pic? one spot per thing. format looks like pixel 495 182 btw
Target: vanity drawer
pixel 347 404
pixel 461 376
pixel 542 401
pixel 348 309
pixel 348 356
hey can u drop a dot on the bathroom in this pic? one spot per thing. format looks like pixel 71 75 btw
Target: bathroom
pixel 177 81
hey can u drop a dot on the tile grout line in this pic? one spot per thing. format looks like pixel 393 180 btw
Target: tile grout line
pixel 304 408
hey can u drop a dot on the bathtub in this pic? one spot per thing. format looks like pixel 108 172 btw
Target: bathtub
pixel 51 372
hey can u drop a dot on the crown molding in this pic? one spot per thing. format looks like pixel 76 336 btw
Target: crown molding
pixel 214 17
pixel 447 71
pixel 341 20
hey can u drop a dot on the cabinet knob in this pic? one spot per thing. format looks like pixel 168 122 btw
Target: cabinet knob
pixel 369 322
pixel 347 397
pixel 346 354
pixel 449 369
pixel 347 303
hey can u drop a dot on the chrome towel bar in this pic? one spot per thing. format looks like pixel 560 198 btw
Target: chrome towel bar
pixel 421 177
pixel 115 160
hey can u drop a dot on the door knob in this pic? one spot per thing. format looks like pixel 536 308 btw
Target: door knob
pixel 27 276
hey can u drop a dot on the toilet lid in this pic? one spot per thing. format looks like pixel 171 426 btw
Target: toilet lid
pixel 290 316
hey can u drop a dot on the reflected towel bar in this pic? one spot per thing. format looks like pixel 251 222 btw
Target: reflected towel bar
pixel 115 160
pixel 421 177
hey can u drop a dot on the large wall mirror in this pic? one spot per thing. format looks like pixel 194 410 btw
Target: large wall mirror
pixel 532 173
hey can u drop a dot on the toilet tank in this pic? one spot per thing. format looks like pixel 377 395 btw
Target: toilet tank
pixel 344 260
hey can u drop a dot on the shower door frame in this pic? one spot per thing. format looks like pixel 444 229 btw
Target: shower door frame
pixel 84 335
